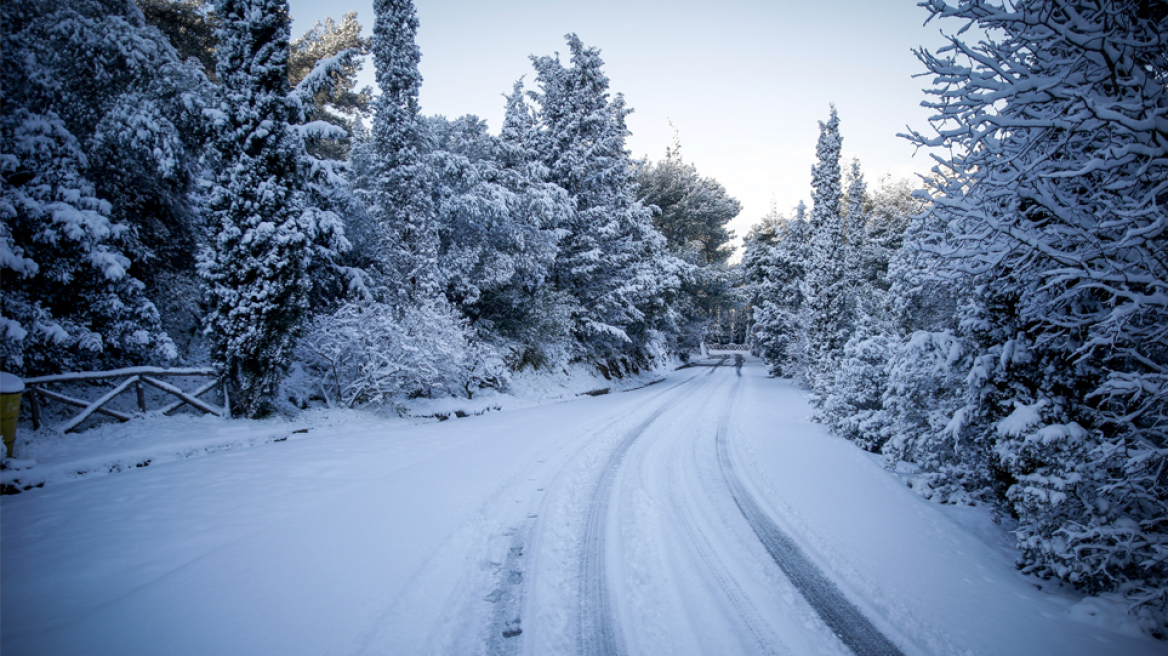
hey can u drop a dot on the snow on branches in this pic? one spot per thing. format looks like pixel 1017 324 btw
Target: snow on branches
pixel 1055 204
pixel 266 232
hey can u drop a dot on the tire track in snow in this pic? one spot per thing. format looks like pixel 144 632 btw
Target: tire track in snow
pixel 599 634
pixel 703 547
pixel 851 626
pixel 504 637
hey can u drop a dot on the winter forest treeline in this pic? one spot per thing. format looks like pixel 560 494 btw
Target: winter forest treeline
pixel 184 183
pixel 1008 343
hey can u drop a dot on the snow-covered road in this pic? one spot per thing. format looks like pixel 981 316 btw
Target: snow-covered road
pixel 705 514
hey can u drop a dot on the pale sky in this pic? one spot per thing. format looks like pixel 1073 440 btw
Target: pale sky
pixel 745 81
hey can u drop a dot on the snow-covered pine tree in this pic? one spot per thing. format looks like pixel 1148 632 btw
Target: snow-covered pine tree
pixel 612 261
pixel 522 311
pixel 855 206
pixel 264 234
pixel 328 110
pixel 756 247
pixel 100 133
pixel 692 213
pixel 855 212
pixel 775 266
pixel 826 313
pixel 853 403
pixel 1055 205
pixel 923 417
pixel 390 173
pixel 892 206
pixel 189 25
pixel 920 295
pixel 337 99
pixel 490 235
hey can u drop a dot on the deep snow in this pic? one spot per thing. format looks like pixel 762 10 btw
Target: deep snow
pixel 372 535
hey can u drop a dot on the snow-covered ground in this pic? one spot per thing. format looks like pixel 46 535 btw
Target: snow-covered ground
pixel 608 524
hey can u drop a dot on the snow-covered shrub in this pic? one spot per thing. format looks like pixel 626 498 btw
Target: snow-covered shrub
pixel 852 405
pixel 538 334
pixel 925 415
pixel 1085 497
pixel 371 354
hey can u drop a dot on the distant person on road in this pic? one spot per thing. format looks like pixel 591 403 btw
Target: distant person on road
pixel 738 360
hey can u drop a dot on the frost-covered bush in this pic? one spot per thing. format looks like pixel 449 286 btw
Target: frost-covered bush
pixel 925 416
pixel 1087 499
pixel 373 354
pixel 537 334
pixel 853 403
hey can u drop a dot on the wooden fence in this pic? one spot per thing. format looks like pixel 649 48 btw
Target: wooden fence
pixel 136 377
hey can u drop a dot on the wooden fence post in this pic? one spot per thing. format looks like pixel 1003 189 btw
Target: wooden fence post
pixel 35 407
pixel 141 394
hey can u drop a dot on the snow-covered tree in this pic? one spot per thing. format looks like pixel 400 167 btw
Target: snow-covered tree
pixel 923 422
pixel 890 210
pixel 189 25
pixel 337 100
pixel 612 261
pixel 499 225
pixel 101 129
pixel 1053 207
pixel 854 207
pixel 775 265
pixel 265 233
pixel 691 212
pixel 853 402
pixel 827 308
pixel 389 169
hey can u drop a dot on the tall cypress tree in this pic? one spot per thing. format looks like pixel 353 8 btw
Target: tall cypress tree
pixel 391 171
pixel 263 235
pixel 825 311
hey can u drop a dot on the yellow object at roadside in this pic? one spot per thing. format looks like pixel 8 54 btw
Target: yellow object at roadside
pixel 11 388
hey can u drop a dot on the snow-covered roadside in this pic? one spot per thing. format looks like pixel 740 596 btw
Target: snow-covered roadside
pixel 338 540
pixel 912 564
pixel 48 456
pixel 366 536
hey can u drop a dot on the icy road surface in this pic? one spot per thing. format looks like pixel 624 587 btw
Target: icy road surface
pixel 705 514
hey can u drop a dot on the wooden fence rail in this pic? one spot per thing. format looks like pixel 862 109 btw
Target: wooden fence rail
pixel 135 377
